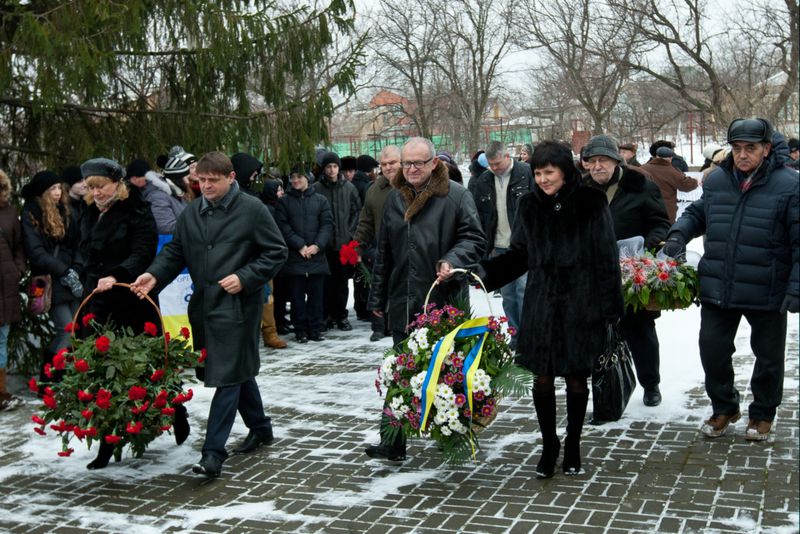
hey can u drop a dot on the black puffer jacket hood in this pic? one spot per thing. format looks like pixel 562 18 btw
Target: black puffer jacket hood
pixel 244 165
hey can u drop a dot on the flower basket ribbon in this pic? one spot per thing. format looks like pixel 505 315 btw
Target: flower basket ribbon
pixel 155 306
pixel 473 327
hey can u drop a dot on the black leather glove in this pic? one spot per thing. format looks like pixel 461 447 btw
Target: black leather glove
pixel 790 304
pixel 73 282
pixel 675 246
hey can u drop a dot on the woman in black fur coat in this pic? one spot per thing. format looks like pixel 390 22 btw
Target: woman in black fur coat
pixel 563 237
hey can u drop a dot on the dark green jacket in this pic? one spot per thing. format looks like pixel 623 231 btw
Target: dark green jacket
pixel 240 238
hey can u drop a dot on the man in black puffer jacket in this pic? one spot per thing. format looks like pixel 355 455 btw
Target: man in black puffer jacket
pixel 749 214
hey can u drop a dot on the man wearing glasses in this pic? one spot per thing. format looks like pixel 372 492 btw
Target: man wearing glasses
pixel 430 226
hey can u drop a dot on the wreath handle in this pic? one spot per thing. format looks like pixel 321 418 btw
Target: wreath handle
pixel 155 306
pixel 467 272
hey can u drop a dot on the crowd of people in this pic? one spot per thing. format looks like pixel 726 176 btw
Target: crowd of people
pixel 540 227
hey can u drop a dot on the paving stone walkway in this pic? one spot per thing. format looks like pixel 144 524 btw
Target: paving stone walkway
pixel 641 476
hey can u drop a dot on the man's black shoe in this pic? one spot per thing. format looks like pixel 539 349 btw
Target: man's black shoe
pixel 376 336
pixel 301 338
pixel 315 336
pixel 253 441
pixel 329 324
pixel 344 325
pixel 284 329
pixel 386 452
pixel 209 465
pixel 652 396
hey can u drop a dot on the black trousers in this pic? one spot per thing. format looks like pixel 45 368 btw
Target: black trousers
pixel 244 398
pixel 306 297
pixel 639 330
pixel 336 287
pixel 280 296
pixel 360 297
pixel 718 328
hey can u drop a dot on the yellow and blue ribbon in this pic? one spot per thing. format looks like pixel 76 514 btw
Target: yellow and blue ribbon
pixel 472 327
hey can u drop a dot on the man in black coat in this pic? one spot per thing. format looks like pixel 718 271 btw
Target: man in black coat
pixel 749 215
pixel 637 210
pixel 430 226
pixel 232 246
pixel 496 193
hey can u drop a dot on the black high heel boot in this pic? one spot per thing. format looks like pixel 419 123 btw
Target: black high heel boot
pixel 576 413
pixel 104 454
pixel 545 405
pixel 181 424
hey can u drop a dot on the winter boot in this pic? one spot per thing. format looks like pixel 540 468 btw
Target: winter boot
pixel 7 400
pixel 181 424
pixel 545 405
pixel 104 454
pixel 389 449
pixel 576 413
pixel 268 330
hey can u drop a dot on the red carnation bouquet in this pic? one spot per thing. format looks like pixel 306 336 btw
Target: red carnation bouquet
pixel 348 255
pixel 118 389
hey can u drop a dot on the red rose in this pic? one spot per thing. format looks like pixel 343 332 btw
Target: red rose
pixel 203 356
pixel 85 396
pixel 166 336
pixel 67 452
pixel 47 370
pixel 134 428
pixel 150 329
pixel 87 414
pixel 88 317
pixel 102 343
pixel 70 327
pixel 348 255
pixel 165 428
pixel 112 439
pixel 137 393
pixel 181 398
pixel 49 391
pixel 80 434
pixel 103 399
pixel 185 333
pixel 49 401
pixel 91 431
pixel 81 366
pixel 39 430
pixel 157 375
pixel 161 399
pixel 33 386
pixel 58 359
pixel 136 410
pixel 168 411
pixel 38 420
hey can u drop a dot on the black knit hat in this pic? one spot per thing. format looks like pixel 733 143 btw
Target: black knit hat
pixel 71 175
pixel 41 182
pixel 103 167
pixel 137 168
pixel 349 163
pixel 177 166
pixel 367 163
pixel 330 157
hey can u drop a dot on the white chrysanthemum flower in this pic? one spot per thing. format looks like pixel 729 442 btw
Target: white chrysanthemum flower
pixel 445 430
pixel 456 426
pixel 440 418
pixel 444 391
pixel 452 414
pixel 412 344
pixel 416 383
pixel 387 370
pixel 421 337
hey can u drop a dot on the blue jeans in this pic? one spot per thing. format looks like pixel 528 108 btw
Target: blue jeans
pixel 4 345
pixel 513 294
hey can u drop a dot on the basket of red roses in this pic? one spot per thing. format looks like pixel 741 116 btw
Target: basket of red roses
pixel 118 388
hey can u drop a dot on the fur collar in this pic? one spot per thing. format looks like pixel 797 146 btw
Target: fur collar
pixel 439 185
pixel 659 162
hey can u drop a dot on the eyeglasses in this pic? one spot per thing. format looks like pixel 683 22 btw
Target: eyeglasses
pixel 416 164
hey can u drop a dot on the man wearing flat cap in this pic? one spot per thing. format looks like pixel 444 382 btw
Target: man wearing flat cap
pixel 668 179
pixel 749 215
pixel 637 209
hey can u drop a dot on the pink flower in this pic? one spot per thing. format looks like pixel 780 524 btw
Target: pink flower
pixel 486 411
pixel 460 399
pixel 478 395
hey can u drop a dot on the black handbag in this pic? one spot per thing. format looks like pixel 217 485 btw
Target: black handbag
pixel 613 379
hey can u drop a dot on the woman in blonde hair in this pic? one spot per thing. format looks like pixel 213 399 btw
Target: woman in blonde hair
pixel 12 265
pixel 118 242
pixel 51 244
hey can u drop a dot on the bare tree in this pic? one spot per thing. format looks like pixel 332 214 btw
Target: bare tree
pixel 405 43
pixel 474 37
pixel 590 52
